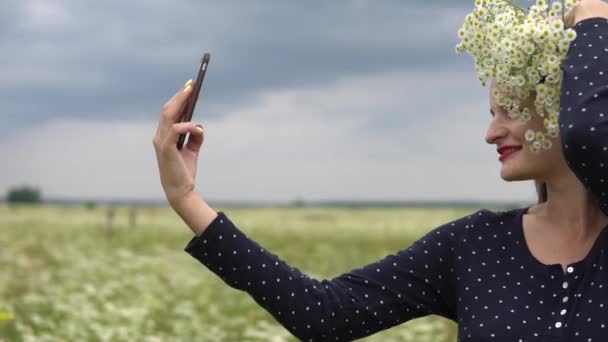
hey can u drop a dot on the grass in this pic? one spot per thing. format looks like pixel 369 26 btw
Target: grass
pixel 66 276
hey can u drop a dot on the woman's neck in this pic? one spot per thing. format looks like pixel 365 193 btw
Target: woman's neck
pixel 570 207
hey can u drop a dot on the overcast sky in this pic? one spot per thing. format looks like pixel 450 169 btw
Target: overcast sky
pixel 362 100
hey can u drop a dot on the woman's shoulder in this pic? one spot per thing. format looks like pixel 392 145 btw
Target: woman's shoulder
pixel 480 228
pixel 484 221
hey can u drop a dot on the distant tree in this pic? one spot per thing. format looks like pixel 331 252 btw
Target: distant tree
pixel 24 194
pixel 90 205
pixel 298 202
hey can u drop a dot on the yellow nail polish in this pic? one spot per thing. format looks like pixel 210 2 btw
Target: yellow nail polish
pixel 188 87
pixel 188 83
pixel 200 128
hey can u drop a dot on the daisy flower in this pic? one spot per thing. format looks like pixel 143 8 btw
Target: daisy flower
pixel 521 50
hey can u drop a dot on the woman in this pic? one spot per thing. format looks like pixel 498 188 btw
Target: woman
pixel 530 274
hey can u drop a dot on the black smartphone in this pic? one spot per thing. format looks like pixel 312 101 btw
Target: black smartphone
pixel 196 88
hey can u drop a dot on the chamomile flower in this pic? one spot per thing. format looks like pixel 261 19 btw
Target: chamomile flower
pixel 552 60
pixel 530 135
pixel 557 6
pixel 521 50
pixel 539 136
pixel 557 24
pixel 570 35
pixel 553 133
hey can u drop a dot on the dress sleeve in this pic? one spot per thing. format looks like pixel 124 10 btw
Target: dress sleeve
pixel 583 115
pixel 414 282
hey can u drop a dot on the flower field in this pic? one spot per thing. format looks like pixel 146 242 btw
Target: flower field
pixel 66 274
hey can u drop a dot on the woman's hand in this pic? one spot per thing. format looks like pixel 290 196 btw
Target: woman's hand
pixel 586 9
pixel 177 167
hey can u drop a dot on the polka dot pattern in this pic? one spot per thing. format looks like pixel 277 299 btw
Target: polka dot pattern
pixel 583 117
pixel 476 271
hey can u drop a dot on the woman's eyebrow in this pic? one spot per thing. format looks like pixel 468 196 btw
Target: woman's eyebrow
pixel 491 112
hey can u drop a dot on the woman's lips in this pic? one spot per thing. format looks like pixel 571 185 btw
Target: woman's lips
pixel 508 152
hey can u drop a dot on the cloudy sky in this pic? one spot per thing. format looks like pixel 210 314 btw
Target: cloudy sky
pixel 362 100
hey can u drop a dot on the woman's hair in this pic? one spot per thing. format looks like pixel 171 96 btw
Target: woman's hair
pixel 541 191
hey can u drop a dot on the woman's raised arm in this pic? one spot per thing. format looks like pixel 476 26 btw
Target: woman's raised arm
pixel 583 116
pixel 177 168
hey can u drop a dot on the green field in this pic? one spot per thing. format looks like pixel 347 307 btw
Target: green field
pixel 65 275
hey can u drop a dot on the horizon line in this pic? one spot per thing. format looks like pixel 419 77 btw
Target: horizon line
pixel 297 202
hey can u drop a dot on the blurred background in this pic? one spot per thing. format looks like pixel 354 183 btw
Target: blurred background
pixel 328 125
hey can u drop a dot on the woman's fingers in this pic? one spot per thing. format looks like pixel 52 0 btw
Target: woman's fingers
pixel 170 140
pixel 196 138
pixel 172 109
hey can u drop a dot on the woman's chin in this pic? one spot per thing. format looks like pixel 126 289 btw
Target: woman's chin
pixel 508 178
pixel 511 175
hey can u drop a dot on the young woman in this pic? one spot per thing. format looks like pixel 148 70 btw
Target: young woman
pixel 531 274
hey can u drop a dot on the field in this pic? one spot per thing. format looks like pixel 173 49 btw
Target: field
pixel 66 275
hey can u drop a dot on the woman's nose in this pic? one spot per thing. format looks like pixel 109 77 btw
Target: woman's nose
pixel 495 132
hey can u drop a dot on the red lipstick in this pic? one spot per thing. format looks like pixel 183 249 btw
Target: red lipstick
pixel 507 150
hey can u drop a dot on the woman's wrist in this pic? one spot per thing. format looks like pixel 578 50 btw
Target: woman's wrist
pixel 195 212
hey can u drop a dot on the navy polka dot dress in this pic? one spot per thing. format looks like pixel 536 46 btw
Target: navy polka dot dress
pixel 477 270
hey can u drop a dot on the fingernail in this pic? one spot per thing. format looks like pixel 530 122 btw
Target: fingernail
pixel 188 83
pixel 199 127
pixel 187 89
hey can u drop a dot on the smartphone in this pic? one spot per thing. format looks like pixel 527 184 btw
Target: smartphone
pixel 196 88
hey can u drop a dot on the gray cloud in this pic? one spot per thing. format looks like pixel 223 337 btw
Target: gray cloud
pixel 292 143
pixel 346 99
pixel 88 59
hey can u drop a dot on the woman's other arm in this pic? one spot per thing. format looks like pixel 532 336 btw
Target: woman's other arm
pixel 583 117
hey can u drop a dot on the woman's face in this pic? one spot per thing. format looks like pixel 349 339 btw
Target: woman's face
pixel 522 164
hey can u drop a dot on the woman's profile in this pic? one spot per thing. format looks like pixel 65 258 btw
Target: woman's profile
pixel 537 273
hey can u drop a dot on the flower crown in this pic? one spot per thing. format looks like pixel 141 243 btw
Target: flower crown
pixel 522 51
